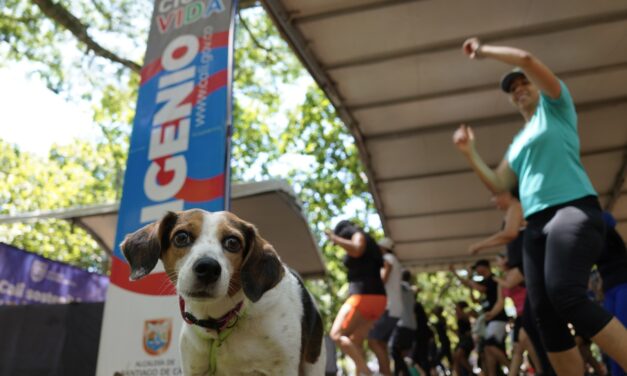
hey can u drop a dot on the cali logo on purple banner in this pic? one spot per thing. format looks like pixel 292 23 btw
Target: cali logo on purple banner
pixel 157 336
pixel 38 270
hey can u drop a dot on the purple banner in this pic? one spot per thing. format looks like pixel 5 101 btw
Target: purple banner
pixel 27 278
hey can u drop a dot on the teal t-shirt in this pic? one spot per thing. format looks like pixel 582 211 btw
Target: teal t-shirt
pixel 545 156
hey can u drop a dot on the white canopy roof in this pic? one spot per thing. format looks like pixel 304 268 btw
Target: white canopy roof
pixel 395 72
pixel 272 206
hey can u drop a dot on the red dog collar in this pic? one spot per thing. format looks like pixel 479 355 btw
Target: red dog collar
pixel 218 324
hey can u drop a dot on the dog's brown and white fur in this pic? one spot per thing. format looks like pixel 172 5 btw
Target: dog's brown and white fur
pixel 217 260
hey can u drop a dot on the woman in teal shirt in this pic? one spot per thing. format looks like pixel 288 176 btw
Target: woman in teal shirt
pixel 564 224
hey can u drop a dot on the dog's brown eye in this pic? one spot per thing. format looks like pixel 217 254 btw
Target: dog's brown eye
pixel 181 239
pixel 232 244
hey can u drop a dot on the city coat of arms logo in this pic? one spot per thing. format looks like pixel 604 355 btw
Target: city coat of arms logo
pixel 157 336
pixel 38 270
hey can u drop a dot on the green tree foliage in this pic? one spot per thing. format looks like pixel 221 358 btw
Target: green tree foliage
pixel 267 129
pixel 284 128
pixel 37 31
pixel 73 175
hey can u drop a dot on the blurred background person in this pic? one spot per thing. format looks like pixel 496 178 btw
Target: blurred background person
pixel 612 266
pixel 465 345
pixel 441 328
pixel 405 332
pixel 511 235
pixel 380 335
pixel 424 340
pixel 495 318
pixel 366 302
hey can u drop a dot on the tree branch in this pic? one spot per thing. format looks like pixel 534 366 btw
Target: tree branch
pixel 269 51
pixel 63 17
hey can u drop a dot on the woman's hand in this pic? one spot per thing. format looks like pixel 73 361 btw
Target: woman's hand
pixel 464 139
pixel 330 235
pixel 474 249
pixel 471 48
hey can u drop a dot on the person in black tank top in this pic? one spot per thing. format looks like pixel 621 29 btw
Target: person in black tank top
pixel 367 300
pixel 496 319
pixel 511 235
pixel 511 229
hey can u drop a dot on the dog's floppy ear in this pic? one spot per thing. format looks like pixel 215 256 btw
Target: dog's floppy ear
pixel 143 248
pixel 261 269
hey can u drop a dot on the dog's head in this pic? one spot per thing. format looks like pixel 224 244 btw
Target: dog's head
pixel 206 255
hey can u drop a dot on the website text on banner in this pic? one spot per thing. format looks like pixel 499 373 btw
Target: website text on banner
pixel 27 278
pixel 178 159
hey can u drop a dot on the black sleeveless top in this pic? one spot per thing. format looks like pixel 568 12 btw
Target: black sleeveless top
pixel 364 272
pixel 463 326
pixel 515 250
pixel 491 296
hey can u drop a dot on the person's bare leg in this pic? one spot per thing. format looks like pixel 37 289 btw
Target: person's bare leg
pixel 490 362
pixel 359 336
pixel 499 355
pixel 483 368
pixel 461 360
pixel 379 349
pixel 567 363
pixel 526 344
pixel 612 339
pixel 456 364
pixel 342 337
pixel 517 357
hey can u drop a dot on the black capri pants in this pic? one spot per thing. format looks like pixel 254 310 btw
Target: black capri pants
pixel 560 246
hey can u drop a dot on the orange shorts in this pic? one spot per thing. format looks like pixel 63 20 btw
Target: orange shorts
pixel 371 307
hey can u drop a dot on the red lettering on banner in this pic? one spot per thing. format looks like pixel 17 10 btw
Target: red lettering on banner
pixel 179 18
pixel 164 22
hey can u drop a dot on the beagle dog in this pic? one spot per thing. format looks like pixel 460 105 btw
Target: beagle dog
pixel 244 311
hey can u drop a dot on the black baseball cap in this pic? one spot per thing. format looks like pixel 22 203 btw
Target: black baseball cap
pixel 508 78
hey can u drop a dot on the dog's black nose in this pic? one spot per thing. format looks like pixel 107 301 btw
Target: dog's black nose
pixel 207 270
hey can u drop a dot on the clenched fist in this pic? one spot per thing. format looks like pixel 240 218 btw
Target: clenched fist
pixel 464 139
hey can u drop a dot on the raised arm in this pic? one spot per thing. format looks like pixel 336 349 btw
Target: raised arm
pixel 467 281
pixel 386 270
pixel 498 180
pixel 355 246
pixel 512 278
pixel 538 73
pixel 513 222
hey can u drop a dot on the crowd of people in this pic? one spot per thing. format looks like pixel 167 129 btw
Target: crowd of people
pixel 557 240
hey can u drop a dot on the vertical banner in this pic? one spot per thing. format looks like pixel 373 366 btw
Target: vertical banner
pixel 178 159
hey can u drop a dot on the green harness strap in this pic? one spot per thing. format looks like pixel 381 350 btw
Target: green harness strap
pixel 215 343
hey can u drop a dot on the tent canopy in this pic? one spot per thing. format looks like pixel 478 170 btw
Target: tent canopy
pixel 395 72
pixel 271 206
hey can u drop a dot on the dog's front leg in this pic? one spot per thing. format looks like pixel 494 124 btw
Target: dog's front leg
pixel 194 353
